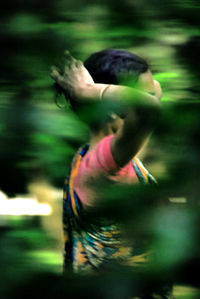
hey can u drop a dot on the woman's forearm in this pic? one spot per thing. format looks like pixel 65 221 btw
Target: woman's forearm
pixel 127 96
pixel 78 83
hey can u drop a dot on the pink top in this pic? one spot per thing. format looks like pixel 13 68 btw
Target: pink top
pixel 100 161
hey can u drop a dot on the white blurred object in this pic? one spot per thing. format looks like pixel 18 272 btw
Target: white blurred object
pixel 23 206
pixel 3 196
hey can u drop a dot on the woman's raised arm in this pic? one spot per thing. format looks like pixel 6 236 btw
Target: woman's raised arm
pixel 142 112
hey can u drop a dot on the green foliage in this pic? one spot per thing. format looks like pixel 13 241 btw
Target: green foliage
pixel 39 140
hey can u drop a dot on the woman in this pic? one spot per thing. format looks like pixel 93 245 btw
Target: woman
pixel 116 77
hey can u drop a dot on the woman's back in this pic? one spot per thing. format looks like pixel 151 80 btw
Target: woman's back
pixel 90 246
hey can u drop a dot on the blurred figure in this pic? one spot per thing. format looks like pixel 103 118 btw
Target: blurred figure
pixel 125 81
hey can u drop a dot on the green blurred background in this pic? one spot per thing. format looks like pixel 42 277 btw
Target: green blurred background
pixel 38 139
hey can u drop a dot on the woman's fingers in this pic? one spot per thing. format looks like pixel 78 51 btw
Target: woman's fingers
pixel 70 61
pixel 72 77
pixel 67 54
pixel 79 64
pixel 55 75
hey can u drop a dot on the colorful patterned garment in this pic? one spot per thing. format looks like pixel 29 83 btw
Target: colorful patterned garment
pixel 92 247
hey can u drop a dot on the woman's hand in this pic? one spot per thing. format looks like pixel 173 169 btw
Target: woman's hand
pixel 75 78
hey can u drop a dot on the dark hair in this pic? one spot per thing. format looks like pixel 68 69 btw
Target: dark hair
pixel 111 66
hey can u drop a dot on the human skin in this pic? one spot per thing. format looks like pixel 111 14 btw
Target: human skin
pixel 142 101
